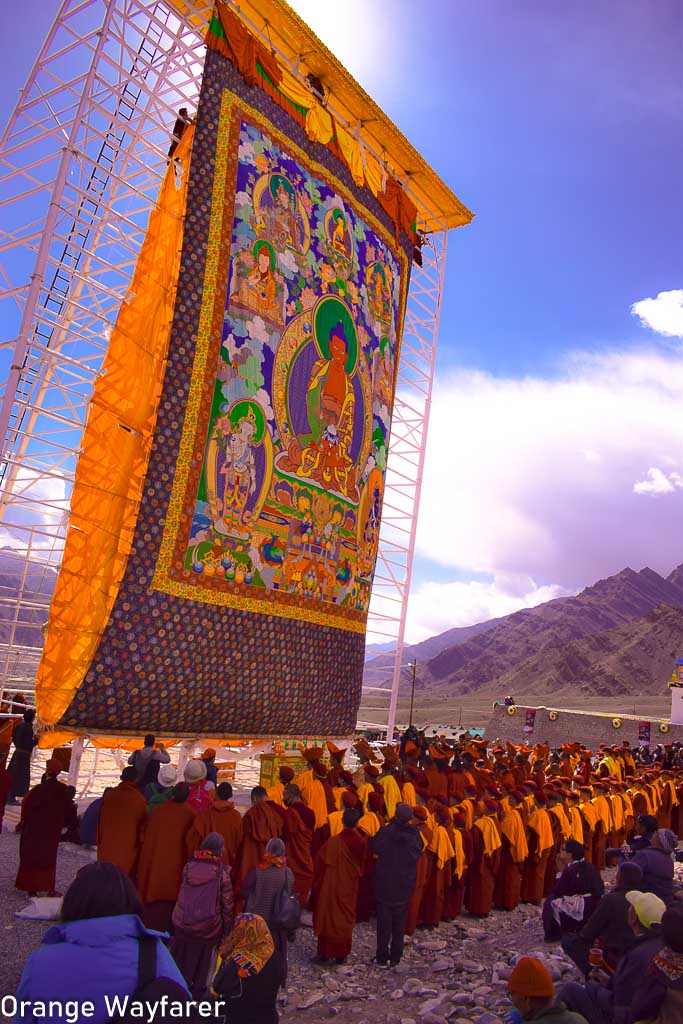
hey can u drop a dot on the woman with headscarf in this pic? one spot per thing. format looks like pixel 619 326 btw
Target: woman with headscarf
pixel 202 917
pixel 262 891
pixel 250 973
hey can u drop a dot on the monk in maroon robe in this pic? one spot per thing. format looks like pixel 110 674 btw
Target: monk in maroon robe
pixel 456 894
pixel 513 853
pixel 43 813
pixel 485 862
pixel 221 817
pixel 423 867
pixel 123 813
pixel 163 857
pixel 338 868
pixel 440 876
pixel 261 823
pixel 297 833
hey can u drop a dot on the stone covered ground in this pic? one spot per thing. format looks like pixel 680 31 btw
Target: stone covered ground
pixel 456 973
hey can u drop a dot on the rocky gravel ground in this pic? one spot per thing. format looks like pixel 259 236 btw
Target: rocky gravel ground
pixel 455 974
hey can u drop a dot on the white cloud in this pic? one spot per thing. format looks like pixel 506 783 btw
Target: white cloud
pixel 663 314
pixel 656 482
pixel 436 607
pixel 509 490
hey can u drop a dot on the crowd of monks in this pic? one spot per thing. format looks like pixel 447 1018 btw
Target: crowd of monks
pixel 492 819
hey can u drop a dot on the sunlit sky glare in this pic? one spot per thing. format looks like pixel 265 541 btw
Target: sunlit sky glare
pixel 556 449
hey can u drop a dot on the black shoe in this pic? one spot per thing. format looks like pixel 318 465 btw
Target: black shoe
pixel 379 963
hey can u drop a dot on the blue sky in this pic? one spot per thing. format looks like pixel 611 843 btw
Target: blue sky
pixel 556 421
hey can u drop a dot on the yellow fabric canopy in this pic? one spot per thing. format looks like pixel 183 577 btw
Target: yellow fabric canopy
pixel 115 452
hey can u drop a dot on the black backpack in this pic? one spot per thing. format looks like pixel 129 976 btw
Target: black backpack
pixel 150 989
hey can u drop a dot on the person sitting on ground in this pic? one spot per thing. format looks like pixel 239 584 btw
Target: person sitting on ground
pixel 262 891
pixel 203 914
pixel 159 792
pixel 94 951
pixel 575 895
pixel 607 929
pixel 656 863
pixel 660 997
pixel 89 820
pixel 647 826
pixel 250 974
pixel 533 995
pixel 147 760
pixel 608 998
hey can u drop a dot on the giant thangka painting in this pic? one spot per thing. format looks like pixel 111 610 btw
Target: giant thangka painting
pixel 243 608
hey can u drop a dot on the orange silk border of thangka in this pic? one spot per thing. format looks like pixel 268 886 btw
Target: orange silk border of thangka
pixel 209 336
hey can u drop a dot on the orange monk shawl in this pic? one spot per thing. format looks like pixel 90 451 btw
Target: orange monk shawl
pixel 589 812
pixel 602 807
pixel 576 825
pixel 369 824
pixel 674 795
pixel 540 823
pixel 512 828
pixel 459 853
pixel 467 808
pixel 565 827
pixel 490 835
pixel 408 794
pixel 313 793
pixel 335 822
pixel 617 809
pixel 628 805
pixel 441 846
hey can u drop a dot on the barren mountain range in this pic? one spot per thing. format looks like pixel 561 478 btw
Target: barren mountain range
pixel 620 636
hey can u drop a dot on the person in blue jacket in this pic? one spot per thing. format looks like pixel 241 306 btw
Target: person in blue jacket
pixel 94 951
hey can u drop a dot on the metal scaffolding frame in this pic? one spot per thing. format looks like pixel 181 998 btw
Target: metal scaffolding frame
pixel 81 161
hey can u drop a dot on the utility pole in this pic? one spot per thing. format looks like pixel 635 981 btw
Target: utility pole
pixel 412 692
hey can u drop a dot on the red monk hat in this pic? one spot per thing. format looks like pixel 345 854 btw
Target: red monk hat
pixel 491 805
pixel 349 798
pixel 336 753
pixel 420 813
pixel 286 773
pixel 371 770
pixel 312 753
pixel 540 797
pixel 208 754
pixel 364 750
pixel 376 802
pixel 459 820
pixel 389 753
pixel 443 814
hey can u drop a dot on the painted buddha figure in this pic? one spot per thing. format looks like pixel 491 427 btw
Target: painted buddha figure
pixel 330 405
